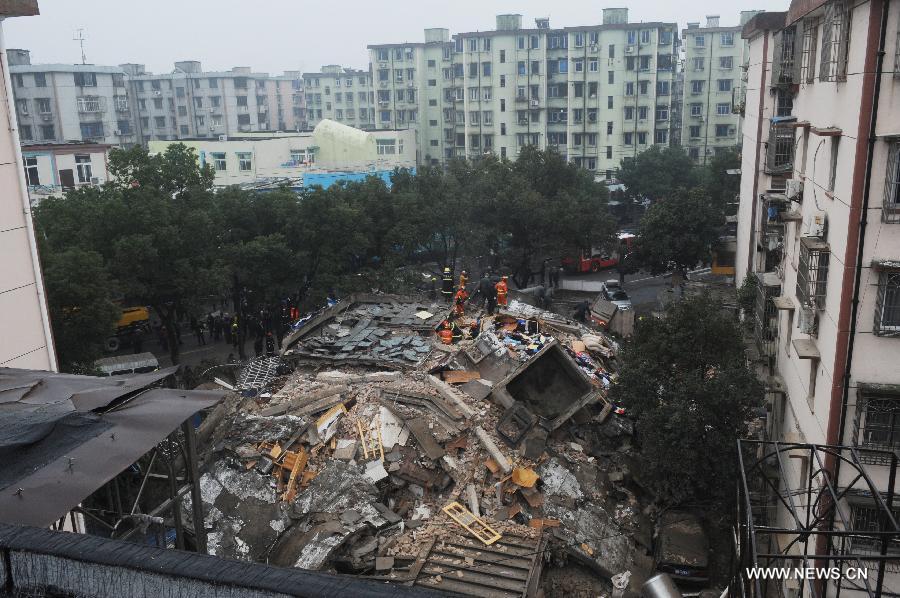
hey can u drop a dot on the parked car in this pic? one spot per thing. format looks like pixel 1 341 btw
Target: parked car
pixel 681 548
pixel 612 291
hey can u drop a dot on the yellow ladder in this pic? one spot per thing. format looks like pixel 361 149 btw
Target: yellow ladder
pixel 475 525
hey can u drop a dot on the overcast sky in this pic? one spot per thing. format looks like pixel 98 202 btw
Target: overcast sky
pixel 277 35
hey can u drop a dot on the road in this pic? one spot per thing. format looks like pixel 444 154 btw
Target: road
pixel 642 287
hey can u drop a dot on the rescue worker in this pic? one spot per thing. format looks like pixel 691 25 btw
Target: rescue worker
pixel 581 311
pixel 459 307
pixel 446 333
pixel 270 345
pixel 456 333
pixel 447 285
pixel 502 289
pixel 463 279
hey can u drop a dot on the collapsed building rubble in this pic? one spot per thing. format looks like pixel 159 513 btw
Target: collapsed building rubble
pixel 465 468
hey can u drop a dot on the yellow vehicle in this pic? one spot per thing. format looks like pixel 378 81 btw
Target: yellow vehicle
pixel 133 319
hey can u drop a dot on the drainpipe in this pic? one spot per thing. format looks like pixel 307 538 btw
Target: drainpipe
pixel 856 236
pixel 759 123
pixel 26 208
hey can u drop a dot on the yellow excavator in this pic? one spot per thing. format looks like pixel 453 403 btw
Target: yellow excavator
pixel 133 319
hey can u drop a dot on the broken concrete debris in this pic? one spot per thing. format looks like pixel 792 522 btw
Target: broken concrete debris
pixel 455 470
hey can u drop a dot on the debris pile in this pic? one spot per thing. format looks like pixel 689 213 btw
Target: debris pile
pixel 465 470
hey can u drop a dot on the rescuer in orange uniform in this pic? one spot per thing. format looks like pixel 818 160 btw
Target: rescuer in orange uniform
pixel 446 333
pixel 459 301
pixel 463 279
pixel 502 289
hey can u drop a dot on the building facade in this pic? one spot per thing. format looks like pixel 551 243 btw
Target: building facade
pixel 340 94
pixel 332 152
pixel 714 61
pixel 51 169
pixel 27 340
pixel 819 229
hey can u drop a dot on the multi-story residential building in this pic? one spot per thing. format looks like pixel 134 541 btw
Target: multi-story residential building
pixel 596 93
pixel 26 341
pixel 332 152
pixel 714 58
pixel 53 168
pixel 413 89
pixel 189 102
pixel 340 94
pixel 70 102
pixel 819 227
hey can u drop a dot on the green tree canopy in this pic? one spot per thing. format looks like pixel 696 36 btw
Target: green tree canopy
pixel 658 172
pixel 722 187
pixel 685 380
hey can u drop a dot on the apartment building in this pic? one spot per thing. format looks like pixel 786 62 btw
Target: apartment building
pixel 190 102
pixel 340 94
pixel 714 61
pixel 27 340
pixel 410 87
pixel 70 102
pixel 819 228
pixel 53 168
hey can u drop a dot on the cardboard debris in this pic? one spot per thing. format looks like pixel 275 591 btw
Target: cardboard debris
pixel 459 376
pixel 541 523
pixel 524 477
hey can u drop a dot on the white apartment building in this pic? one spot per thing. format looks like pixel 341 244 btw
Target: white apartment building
pixel 819 226
pixel 340 94
pixel 54 168
pixel 57 103
pixel 189 102
pixel 26 340
pixel 714 61
pixel 332 152
pixel 596 93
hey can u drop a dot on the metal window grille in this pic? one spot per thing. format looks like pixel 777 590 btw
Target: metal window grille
pixel 766 324
pixel 785 103
pixel 891 211
pixel 876 424
pixel 887 306
pixel 785 56
pixel 780 151
pixel 835 41
pixel 866 518
pixel 812 274
pixel 897 55
pixel 808 59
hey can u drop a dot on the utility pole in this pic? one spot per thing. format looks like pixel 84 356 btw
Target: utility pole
pixel 79 37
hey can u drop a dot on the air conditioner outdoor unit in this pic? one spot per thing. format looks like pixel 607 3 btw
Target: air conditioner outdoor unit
pixel 157 93
pixel 119 132
pixel 807 320
pixel 594 48
pixel 629 49
pixel 223 137
pixel 793 189
pixel 95 181
pixel 815 224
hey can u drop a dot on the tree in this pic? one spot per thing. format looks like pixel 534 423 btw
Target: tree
pixel 722 187
pixel 658 172
pixel 685 381
pixel 678 232
pixel 82 313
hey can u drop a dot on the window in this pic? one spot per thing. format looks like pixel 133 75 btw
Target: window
pixel 245 161
pixel 578 115
pixel 699 63
pixel 645 36
pixel 631 37
pixel 145 122
pixel 182 111
pixel 643 87
pixel 521 68
pixel 662 88
pixel 241 100
pixel 724 85
pixel 534 42
pixel 184 130
pixel 432 83
pixel 474 117
pixel 25 132
pixel 642 113
pixel 644 63
pixel 699 41
pixel 579 39
pixel 475 141
pixel 891 204
pixel 629 88
pixel 43 105
pixel 628 138
pixel 92 130
pixel 32 176
pixel 536 67
pixel 502 56
pixel 694 153
pixel 155 85
pixel 662 136
pixel 473 94
pixel 611 52
pixel 723 108
pixel 835 41
pixel 485 69
pixel 592 89
pixel 502 105
pixel 812 272
pixel 385 115
pixel 662 112
pixel 40 80
pixel 22 106
pixel 727 38
pixel 609 152
pixel 502 80
pixel 664 62
pixel 579 66
pixel 592 139
pixel 48 132
pixel 486 94
pixel 503 128
pixel 124 127
pixel 694 131
pixel 487 117
pixel 593 65
pixel 629 63
pixel 386 146
pixel 520 42
pixel 808 50
pixel 157 103
pixel 83 167
pixel 609 127
pixel 629 112
pixel 609 102
pixel 86 79
pixel 697 86
pixel 243 119
pixel 832 172
pixel 576 140
pixel 721 130
pixel 726 62
pixel 215 101
pixel 887 306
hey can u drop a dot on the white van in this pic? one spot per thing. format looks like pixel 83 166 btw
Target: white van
pixel 139 363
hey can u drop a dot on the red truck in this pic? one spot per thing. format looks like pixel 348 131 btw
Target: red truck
pixel 598 260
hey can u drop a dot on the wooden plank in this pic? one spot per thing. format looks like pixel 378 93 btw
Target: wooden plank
pixel 459 376
pixel 427 442
pixel 541 523
pixel 475 525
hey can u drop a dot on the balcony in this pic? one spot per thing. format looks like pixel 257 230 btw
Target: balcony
pixel 780 147
pixel 91 105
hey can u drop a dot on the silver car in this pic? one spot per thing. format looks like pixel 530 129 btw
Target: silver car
pixel 613 292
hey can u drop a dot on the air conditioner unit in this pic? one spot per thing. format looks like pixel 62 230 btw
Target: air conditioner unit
pixel 815 224
pixel 119 132
pixel 95 181
pixel 793 189
pixel 594 49
pixel 535 103
pixel 629 49
pixel 157 93
pixel 223 137
pixel 46 117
